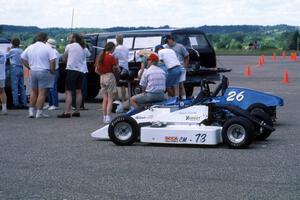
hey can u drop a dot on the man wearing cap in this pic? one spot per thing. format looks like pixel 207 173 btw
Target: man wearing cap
pixel 169 58
pixel 153 81
pixel 52 93
pixel 183 56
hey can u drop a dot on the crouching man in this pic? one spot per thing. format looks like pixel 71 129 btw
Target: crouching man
pixel 153 82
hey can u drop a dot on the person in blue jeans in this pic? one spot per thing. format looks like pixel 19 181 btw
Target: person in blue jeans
pixel 52 92
pixel 17 75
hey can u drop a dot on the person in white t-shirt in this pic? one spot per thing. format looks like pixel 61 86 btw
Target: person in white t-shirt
pixel 39 58
pixel 75 55
pixel 169 58
pixel 121 54
pixel 2 82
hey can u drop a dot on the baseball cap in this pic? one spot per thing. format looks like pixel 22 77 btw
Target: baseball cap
pixel 157 47
pixel 153 57
pixel 51 42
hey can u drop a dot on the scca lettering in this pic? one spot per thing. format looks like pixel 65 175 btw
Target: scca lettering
pixel 171 139
pixel 192 118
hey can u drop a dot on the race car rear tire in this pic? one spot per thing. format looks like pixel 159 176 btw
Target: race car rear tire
pixel 260 132
pixel 123 130
pixel 238 132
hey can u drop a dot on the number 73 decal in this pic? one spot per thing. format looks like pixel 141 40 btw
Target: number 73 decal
pixel 234 95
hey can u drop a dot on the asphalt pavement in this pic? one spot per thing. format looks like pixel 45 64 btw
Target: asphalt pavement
pixel 57 159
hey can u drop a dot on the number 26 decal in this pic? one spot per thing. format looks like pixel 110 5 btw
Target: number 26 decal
pixel 234 95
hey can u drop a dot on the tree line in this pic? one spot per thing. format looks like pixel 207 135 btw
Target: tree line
pixel 239 37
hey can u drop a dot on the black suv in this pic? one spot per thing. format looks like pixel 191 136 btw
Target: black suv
pixel 202 55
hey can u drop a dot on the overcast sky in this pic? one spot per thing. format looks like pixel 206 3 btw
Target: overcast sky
pixel 110 13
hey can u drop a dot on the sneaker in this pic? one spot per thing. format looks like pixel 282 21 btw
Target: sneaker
pixel 52 108
pixel 40 115
pixel 64 115
pixel 46 107
pixel 30 115
pixel 76 114
pixel 104 119
pixel 108 119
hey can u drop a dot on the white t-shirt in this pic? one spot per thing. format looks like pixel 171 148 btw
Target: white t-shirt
pixel 57 59
pixel 76 57
pixel 2 65
pixel 87 54
pixel 168 56
pixel 38 56
pixel 121 53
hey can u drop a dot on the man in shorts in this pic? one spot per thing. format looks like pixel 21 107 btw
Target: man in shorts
pixel 154 83
pixel 2 82
pixel 169 58
pixel 39 58
pixel 183 57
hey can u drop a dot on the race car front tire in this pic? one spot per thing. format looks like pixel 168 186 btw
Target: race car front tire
pixel 238 132
pixel 123 130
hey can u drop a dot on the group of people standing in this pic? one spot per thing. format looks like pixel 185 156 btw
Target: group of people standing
pixel 163 69
pixel 42 59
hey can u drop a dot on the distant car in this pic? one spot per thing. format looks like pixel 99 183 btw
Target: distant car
pixel 202 55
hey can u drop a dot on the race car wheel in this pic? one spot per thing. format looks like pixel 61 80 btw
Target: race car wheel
pixel 260 132
pixel 237 132
pixel 123 130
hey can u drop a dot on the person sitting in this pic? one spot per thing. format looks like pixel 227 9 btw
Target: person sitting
pixel 153 82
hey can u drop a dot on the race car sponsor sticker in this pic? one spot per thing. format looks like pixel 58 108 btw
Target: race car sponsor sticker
pixel 192 118
pixel 171 139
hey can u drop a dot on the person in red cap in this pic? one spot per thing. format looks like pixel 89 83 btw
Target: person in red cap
pixel 153 82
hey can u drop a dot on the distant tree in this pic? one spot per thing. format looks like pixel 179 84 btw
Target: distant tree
pixel 234 44
pixel 268 43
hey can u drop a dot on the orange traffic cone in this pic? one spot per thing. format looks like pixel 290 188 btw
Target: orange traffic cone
pixel 295 56
pixel 248 71
pixel 274 56
pixel 283 55
pixel 286 77
pixel 263 59
pixel 292 58
pixel 260 62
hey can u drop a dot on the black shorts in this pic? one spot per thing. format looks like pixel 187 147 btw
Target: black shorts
pixel 74 80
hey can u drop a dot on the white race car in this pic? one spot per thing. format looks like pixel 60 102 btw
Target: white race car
pixel 197 124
